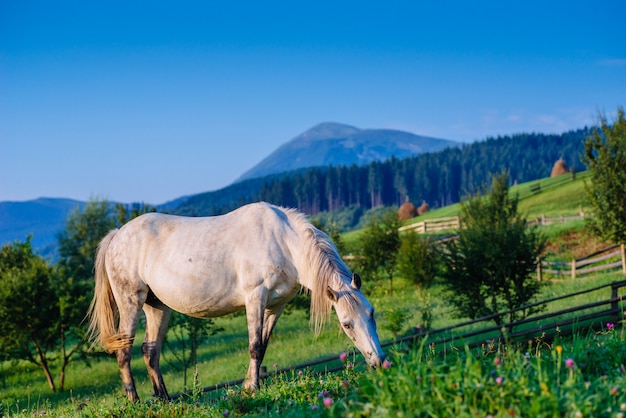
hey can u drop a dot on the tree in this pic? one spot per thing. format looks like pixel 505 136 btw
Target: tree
pixel 190 333
pixel 417 259
pixel 77 247
pixel 605 157
pixel 379 244
pixel 488 268
pixel 28 307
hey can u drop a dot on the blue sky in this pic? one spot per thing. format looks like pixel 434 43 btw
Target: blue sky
pixel 149 101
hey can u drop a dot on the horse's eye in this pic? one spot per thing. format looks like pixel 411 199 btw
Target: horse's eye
pixel 346 326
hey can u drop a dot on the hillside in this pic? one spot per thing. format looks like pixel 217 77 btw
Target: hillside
pixel 335 144
pixel 42 218
pixel 439 178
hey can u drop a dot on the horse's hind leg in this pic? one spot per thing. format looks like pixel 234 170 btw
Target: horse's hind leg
pixel 129 316
pixel 157 318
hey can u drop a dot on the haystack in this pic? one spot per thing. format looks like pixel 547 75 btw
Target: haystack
pixel 559 168
pixel 423 208
pixel 407 211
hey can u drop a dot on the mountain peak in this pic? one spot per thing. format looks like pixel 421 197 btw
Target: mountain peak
pixel 332 143
pixel 327 130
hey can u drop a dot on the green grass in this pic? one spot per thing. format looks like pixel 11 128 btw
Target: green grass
pixel 225 356
pixel 580 376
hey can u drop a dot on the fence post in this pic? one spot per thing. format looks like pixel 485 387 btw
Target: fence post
pixel 623 260
pixel 573 269
pixel 539 269
pixel 614 300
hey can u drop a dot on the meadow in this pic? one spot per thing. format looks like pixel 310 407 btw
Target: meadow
pixel 583 375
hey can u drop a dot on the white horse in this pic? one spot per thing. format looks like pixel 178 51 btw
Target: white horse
pixel 255 258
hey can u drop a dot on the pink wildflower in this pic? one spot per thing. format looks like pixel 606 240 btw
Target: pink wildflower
pixel 386 364
pixel 569 363
pixel 343 357
pixel 328 402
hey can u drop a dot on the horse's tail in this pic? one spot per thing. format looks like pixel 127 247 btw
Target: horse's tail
pixel 103 309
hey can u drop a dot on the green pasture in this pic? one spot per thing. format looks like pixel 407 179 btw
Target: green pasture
pixel 93 385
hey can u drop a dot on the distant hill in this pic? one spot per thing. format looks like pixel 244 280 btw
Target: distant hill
pixel 338 144
pixel 439 178
pixel 42 218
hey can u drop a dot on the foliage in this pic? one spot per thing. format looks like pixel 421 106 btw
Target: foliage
pixel 379 244
pixel 396 319
pixel 190 333
pixel 605 156
pixel 488 268
pixel 539 379
pixel 28 307
pixel 498 380
pixel 417 259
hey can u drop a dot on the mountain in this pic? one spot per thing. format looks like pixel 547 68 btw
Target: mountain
pixel 338 144
pixel 42 218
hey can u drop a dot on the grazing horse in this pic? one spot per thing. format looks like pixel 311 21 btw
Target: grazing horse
pixel 254 258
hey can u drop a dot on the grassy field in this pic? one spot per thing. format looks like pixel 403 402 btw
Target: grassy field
pixel 94 387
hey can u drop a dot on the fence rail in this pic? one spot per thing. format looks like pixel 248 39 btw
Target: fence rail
pixel 545 220
pixel 611 308
pixel 608 258
pixel 433 225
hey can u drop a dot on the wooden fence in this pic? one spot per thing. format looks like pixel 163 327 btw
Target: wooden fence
pixel 433 225
pixel 611 257
pixel 545 220
pixel 454 222
pixel 474 333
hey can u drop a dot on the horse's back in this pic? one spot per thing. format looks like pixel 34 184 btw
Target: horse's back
pixel 205 265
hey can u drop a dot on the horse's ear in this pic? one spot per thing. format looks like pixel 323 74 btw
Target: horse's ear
pixel 356 281
pixel 332 295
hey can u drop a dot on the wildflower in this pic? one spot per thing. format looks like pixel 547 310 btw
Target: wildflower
pixel 328 402
pixel 343 357
pixel 300 373
pixel 609 326
pixel 622 407
pixel 499 380
pixel 614 391
pixel 497 361
pixel 386 364
pixel 345 384
pixel 323 394
pixel 489 416
pixel 578 414
pixel 275 365
pixel 314 407
pixel 225 413
pixel 559 349
pixel 350 366
pixel 569 363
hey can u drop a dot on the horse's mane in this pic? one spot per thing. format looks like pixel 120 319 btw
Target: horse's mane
pixel 320 265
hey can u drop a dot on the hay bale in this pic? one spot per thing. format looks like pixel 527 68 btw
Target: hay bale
pixel 407 211
pixel 559 168
pixel 423 208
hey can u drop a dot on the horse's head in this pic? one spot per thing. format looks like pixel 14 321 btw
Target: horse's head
pixel 356 316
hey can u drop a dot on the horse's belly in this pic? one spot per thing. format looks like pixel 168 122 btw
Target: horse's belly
pixel 202 299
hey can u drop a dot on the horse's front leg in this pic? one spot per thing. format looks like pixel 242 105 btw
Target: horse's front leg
pixel 255 310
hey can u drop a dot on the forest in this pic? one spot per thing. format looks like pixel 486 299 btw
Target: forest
pixel 439 179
